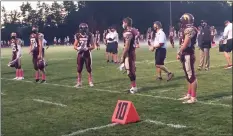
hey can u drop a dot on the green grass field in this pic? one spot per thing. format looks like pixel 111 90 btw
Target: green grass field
pixel 87 111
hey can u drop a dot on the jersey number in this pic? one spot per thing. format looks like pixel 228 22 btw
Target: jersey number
pixel 33 42
pixel 83 43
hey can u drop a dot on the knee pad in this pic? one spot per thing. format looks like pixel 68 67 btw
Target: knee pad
pixel 192 79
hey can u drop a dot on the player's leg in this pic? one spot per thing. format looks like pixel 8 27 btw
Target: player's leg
pixel 188 66
pixel 41 66
pixel 107 53
pixel 88 63
pixel 114 52
pixel 35 64
pixel 19 69
pixel 80 63
pixel 131 72
pixel 13 64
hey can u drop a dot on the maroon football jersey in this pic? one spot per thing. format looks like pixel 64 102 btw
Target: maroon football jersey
pixel 130 34
pixel 84 40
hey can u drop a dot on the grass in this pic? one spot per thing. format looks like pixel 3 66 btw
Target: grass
pixel 93 107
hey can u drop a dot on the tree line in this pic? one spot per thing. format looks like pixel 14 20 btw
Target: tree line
pixel 62 19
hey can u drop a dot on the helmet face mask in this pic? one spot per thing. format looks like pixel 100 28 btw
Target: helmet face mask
pixel 83 28
pixel 13 35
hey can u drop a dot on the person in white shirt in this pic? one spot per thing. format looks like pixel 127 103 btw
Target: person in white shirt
pixel 160 54
pixel 112 44
pixel 227 35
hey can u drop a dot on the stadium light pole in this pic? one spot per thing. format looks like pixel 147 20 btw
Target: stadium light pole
pixel 170 13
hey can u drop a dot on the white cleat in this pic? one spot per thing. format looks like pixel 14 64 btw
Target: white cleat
pixel 78 85
pixel 186 97
pixel 20 78
pixel 16 78
pixel 133 90
pixel 91 84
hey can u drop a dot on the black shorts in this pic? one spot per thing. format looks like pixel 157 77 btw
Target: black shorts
pixel 222 47
pixel 228 46
pixel 112 48
pixel 160 56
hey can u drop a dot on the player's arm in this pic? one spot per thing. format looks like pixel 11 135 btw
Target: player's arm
pixel 19 43
pixel 92 43
pixel 40 41
pixel 30 47
pixel 76 44
pixel 128 37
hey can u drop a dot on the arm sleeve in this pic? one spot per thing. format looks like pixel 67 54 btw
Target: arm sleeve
pixel 19 51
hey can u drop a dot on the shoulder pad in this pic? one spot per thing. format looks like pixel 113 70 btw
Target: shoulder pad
pixel 190 32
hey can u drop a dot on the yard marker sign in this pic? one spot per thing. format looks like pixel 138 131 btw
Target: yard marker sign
pixel 125 113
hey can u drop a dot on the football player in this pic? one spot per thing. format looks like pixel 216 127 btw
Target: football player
pixel 36 49
pixel 149 36
pixel 15 44
pixel 187 56
pixel 213 34
pixel 129 54
pixel 97 39
pixel 84 43
pixel 181 36
pixel 172 35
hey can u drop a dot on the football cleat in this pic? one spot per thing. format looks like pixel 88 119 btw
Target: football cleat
pixel 91 84
pixel 78 85
pixel 20 78
pixel 191 100
pixel 43 81
pixel 37 80
pixel 170 76
pixel 16 78
pixel 159 78
pixel 186 97
pixel 133 90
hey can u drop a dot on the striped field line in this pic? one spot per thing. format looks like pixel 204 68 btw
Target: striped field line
pixel 159 123
pixel 137 94
pixel 48 102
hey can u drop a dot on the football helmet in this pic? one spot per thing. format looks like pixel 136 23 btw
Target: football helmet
pixel 186 19
pixel 83 28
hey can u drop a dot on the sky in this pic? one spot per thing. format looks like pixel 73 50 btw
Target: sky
pixel 15 5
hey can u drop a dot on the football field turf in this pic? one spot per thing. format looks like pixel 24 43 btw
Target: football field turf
pixel 58 109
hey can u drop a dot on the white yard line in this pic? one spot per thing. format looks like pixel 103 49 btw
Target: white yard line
pixel 89 129
pixel 137 94
pixel 48 102
pixel 161 123
pixel 177 126
pixel 3 94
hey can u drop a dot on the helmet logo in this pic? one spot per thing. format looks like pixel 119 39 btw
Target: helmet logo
pixel 186 17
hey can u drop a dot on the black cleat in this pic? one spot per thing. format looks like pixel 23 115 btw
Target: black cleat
pixel 159 78
pixel 170 76
pixel 37 80
pixel 107 61
pixel 43 81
